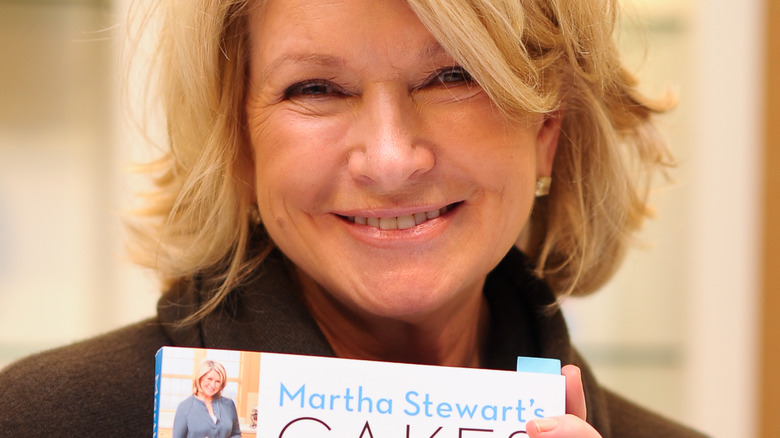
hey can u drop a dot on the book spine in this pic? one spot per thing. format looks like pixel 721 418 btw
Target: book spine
pixel 157 377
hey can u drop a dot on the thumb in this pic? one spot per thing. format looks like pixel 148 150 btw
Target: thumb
pixel 575 393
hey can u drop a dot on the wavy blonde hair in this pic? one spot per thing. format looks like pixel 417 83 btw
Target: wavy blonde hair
pixel 531 56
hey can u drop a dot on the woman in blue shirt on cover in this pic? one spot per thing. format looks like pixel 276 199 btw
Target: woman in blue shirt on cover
pixel 206 414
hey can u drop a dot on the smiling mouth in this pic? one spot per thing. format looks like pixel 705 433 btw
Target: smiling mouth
pixel 401 222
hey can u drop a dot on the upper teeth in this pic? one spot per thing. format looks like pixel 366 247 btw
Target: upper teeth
pixel 398 222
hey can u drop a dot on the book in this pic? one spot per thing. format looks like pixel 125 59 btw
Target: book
pixel 296 396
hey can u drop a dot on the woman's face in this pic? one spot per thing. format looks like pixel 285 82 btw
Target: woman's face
pixel 211 383
pixel 382 170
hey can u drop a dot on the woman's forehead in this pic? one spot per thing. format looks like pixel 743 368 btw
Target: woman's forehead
pixel 329 33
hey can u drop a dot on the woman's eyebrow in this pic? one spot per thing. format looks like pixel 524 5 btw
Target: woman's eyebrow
pixel 301 58
pixel 432 49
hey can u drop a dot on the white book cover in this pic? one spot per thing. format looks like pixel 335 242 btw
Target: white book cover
pixel 294 396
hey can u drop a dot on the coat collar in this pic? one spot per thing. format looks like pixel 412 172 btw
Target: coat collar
pixel 266 314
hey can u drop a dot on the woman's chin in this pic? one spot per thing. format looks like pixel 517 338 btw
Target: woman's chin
pixel 411 302
pixel 411 290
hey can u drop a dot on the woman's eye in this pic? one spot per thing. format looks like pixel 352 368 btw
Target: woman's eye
pixel 314 87
pixel 453 75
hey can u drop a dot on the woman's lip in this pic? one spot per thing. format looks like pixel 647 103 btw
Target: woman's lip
pixel 397 219
pixel 394 211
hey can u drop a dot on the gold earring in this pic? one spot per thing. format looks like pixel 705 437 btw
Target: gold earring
pixel 542 186
pixel 254 215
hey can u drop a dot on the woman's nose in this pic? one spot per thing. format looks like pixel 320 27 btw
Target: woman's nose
pixel 390 149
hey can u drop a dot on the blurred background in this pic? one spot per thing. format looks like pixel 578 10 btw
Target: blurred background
pixel 687 327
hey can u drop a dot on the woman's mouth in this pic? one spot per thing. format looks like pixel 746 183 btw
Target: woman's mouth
pixel 400 222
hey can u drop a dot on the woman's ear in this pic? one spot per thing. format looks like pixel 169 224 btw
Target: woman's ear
pixel 547 142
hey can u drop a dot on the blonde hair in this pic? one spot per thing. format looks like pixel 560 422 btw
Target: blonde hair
pixel 195 220
pixel 542 56
pixel 205 367
pixel 531 56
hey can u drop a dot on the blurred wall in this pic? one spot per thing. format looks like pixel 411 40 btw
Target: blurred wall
pixel 63 275
pixel 770 304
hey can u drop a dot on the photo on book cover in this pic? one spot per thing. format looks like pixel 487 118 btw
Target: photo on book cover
pixel 226 378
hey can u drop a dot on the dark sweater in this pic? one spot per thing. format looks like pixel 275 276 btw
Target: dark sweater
pixel 105 386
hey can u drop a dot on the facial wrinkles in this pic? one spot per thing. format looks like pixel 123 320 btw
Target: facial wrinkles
pixel 305 17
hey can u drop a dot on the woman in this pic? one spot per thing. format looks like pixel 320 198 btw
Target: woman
pixel 416 181
pixel 206 413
